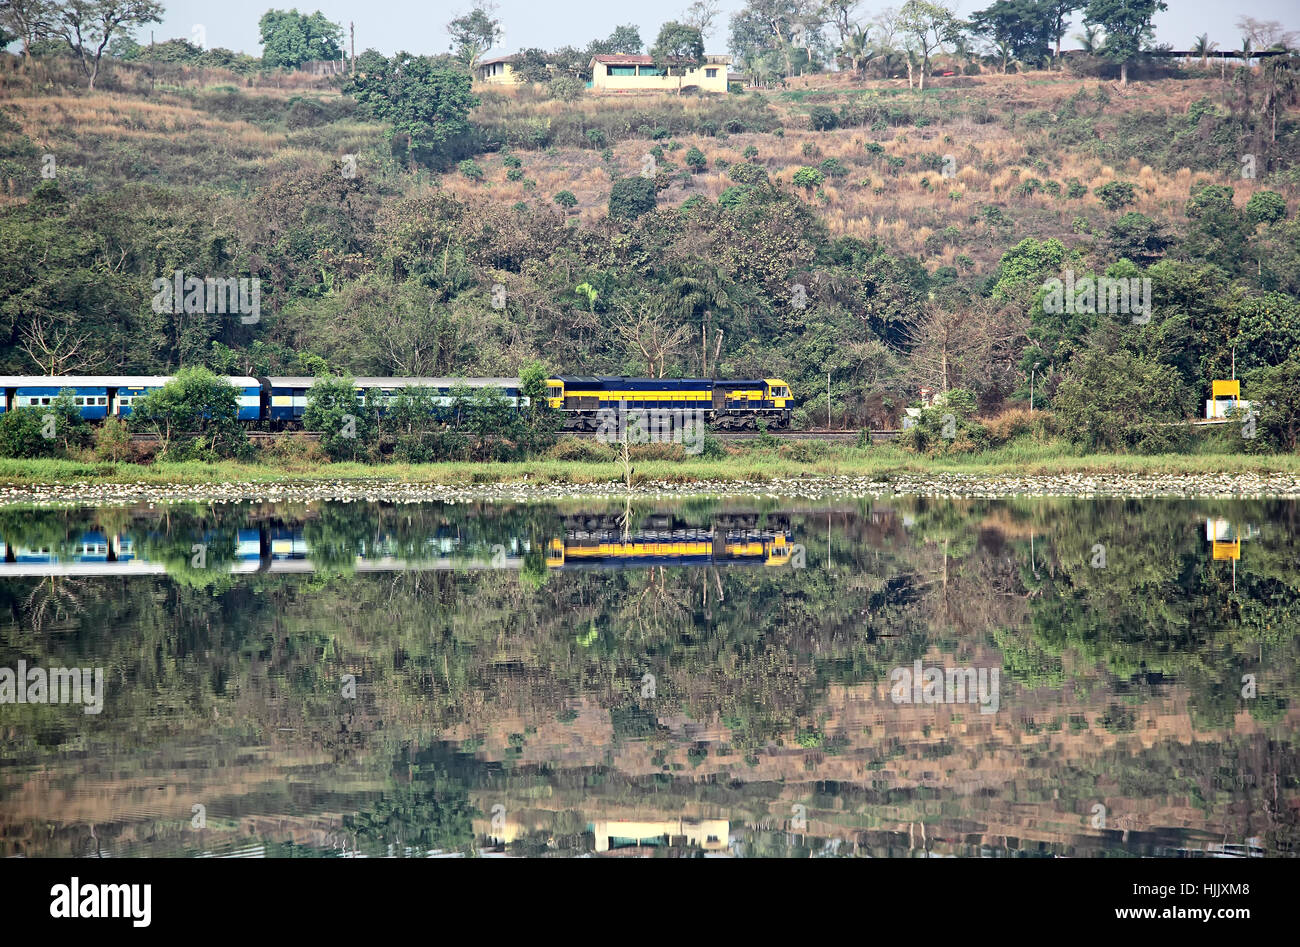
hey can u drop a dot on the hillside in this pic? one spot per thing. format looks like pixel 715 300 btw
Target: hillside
pixel 907 245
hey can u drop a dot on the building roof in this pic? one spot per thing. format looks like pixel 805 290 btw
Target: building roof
pixel 640 59
pixel 104 381
pixel 513 57
pixel 367 381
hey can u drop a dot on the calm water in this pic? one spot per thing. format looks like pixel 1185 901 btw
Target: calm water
pixel 982 678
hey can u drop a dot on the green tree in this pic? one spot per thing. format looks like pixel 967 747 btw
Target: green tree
pixel 1119 401
pixel 196 414
pixel 347 423
pixel 678 49
pixel 929 27
pixel 625 39
pixel 426 105
pixel 27 20
pixel 1018 28
pixel 1057 15
pixel 1274 392
pixel 695 160
pixel 1218 232
pixel 290 38
pixel 1138 238
pixel 1128 26
pixel 473 34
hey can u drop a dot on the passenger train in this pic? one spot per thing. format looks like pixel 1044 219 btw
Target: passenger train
pixel 582 401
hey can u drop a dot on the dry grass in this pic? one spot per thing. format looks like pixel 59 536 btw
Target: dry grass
pixel 174 133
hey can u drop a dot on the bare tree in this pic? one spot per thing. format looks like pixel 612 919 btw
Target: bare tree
pixel 54 349
pixel 648 328
pixel 701 15
pixel 1266 34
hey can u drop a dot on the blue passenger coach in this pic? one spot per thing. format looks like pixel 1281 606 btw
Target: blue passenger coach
pixel 99 396
pixel 288 398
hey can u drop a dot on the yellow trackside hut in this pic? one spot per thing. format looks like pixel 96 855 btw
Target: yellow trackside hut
pixel 1225 397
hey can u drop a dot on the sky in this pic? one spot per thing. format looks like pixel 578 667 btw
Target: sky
pixel 420 27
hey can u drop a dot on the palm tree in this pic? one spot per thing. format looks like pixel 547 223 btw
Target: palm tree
pixel 1244 52
pixel 1005 53
pixel 1203 47
pixel 1090 39
pixel 857 49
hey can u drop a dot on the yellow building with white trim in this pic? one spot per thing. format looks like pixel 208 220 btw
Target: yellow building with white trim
pixel 624 72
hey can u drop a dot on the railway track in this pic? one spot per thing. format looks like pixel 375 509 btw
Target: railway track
pixel 780 435
pixel 262 437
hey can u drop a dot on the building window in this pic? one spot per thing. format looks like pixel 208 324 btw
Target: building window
pixel 652 71
pixel 622 70
pixel 711 73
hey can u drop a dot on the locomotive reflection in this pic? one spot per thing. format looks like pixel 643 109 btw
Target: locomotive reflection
pixel 582 541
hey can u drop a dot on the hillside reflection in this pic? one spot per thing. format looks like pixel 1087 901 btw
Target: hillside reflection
pixel 639 678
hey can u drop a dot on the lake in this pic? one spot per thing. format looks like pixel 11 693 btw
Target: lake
pixel 908 677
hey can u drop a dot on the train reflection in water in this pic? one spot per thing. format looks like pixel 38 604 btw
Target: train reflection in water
pixel 583 541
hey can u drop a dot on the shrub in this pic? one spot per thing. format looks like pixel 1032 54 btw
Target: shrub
pixel 629 198
pixel 515 174
pixel 750 153
pixel 734 195
pixel 195 416
pixel 747 173
pixel 470 169
pixel 1014 422
pixel 822 118
pixel 584 449
pixel 695 160
pixel 47 431
pixel 565 199
pixel 1074 189
pixel 597 137
pixel 347 426
pixel 832 168
pixel 808 178
pixel 1266 207
pixel 1115 194
pixel 112 440
pixel 565 88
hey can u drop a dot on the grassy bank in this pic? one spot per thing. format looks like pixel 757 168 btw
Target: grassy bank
pixel 756 464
